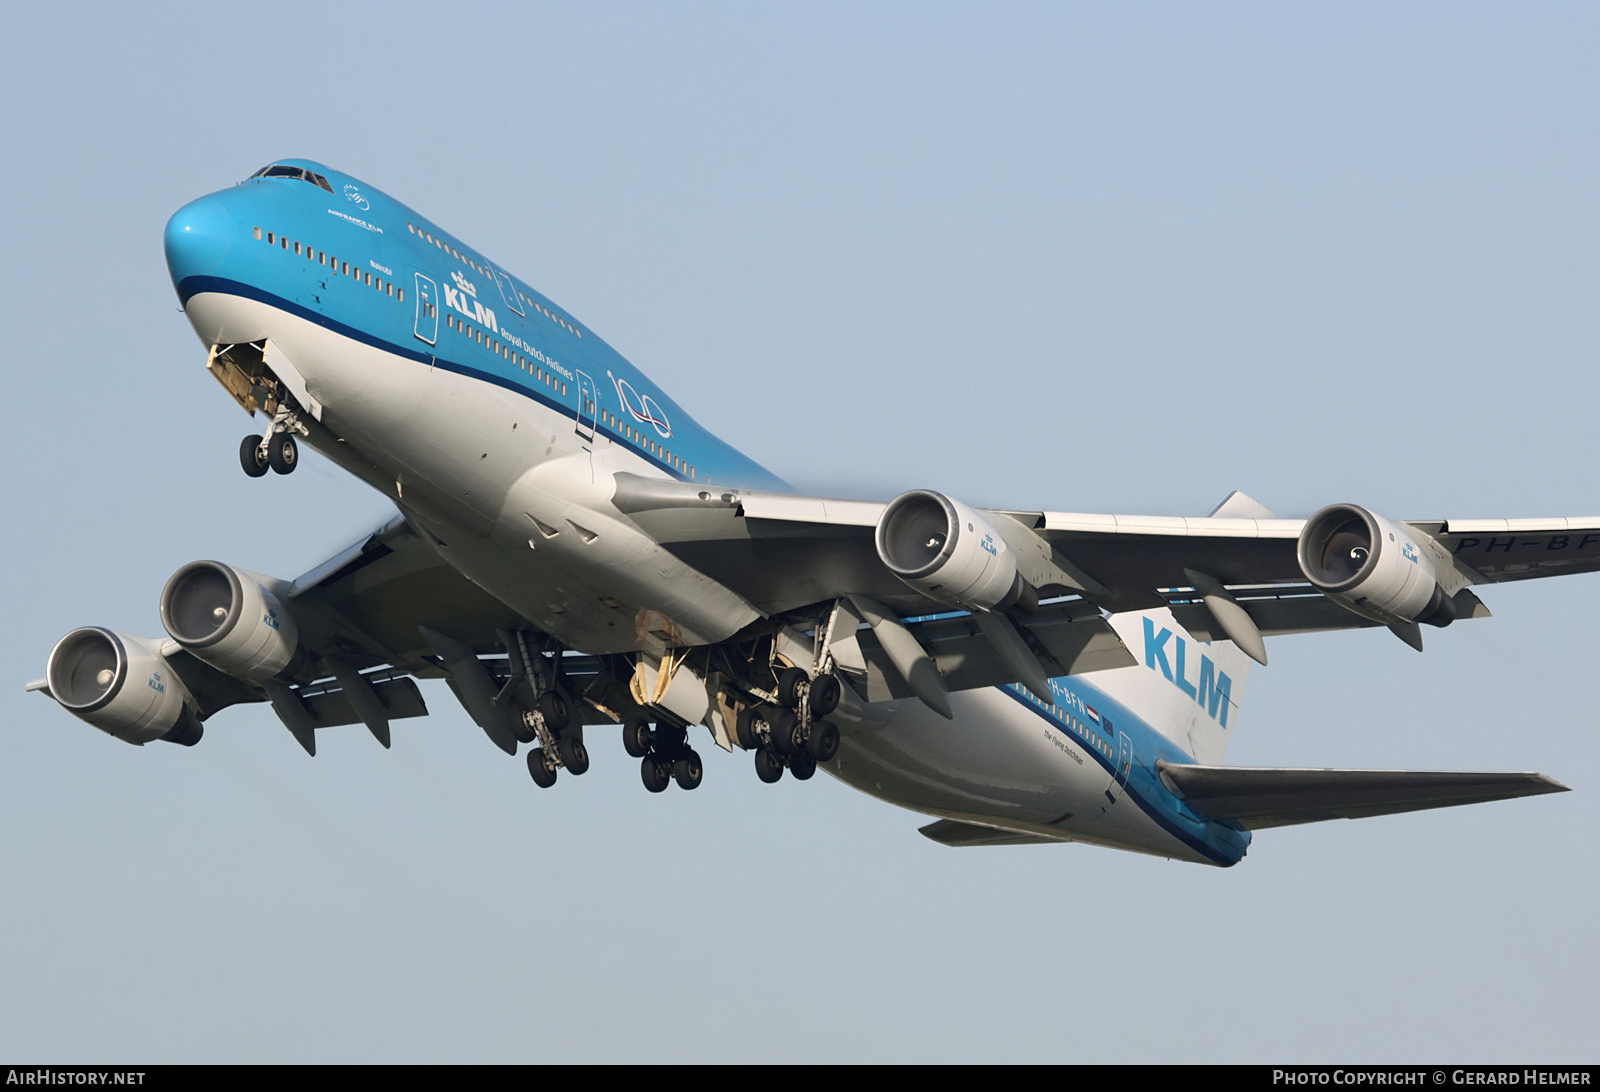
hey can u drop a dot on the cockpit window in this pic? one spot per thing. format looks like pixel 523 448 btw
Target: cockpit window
pixel 283 170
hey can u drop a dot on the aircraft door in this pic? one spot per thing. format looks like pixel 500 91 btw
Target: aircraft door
pixel 508 291
pixel 587 407
pixel 1124 760
pixel 427 328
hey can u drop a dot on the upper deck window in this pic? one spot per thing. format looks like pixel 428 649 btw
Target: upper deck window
pixel 283 170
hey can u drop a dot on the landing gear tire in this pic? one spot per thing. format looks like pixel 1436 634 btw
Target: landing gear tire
pixel 559 712
pixel 824 696
pixel 283 454
pixel 543 774
pixel 802 765
pixel 824 741
pixel 786 733
pixel 745 729
pixel 669 742
pixel 250 456
pixel 789 681
pixel 574 755
pixel 520 726
pixel 769 767
pixel 688 770
pixel 636 737
pixel 655 773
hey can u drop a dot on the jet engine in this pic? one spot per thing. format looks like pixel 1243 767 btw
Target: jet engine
pixel 1373 566
pixel 227 618
pixel 122 685
pixel 948 552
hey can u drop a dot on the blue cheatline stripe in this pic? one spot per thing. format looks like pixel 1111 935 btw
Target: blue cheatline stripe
pixel 1205 849
pixel 194 286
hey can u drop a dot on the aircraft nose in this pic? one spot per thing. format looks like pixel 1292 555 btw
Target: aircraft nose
pixel 197 239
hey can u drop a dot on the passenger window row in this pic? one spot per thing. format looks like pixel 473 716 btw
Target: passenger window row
pixel 1078 727
pixel 389 288
pixel 635 436
pixel 310 253
pixel 499 348
pixel 551 315
pixel 483 270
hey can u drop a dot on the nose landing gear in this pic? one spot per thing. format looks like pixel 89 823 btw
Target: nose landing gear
pixel 283 454
pixel 253 456
pixel 277 451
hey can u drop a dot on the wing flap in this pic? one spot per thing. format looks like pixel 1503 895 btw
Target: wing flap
pixel 1070 638
pixel 796 509
pixel 329 708
pixel 1256 798
pixel 1294 610
pixel 1178 526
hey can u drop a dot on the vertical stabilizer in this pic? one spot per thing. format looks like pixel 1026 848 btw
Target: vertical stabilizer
pixel 1187 690
pixel 1237 505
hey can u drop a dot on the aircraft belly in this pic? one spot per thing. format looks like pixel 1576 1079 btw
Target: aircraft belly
pixel 514 492
pixel 997 762
pixel 222 319
pixel 503 481
pixel 363 394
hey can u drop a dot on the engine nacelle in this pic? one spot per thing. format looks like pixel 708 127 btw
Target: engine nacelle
pixel 227 618
pixel 948 552
pixel 122 685
pixel 1372 566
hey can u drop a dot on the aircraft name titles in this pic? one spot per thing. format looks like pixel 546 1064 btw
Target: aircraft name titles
pixel 354 220
pixel 1213 692
pixel 1061 745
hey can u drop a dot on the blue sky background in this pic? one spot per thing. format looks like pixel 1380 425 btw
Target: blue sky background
pixel 1092 258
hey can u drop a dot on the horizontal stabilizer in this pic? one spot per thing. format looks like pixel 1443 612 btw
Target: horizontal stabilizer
pixel 951 833
pixel 1260 797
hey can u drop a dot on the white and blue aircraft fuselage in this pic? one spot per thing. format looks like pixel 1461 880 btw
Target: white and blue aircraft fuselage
pixel 586 516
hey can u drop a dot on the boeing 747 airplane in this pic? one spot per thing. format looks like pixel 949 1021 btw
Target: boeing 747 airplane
pixel 572 549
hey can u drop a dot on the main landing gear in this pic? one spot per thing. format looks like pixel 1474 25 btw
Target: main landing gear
pixel 792 735
pixel 277 451
pixel 556 726
pixel 664 755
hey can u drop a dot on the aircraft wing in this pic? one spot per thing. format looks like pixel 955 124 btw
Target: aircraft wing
pixel 1497 550
pixel 368 608
pixel 372 606
pixel 783 552
pixel 1128 552
pixel 370 600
